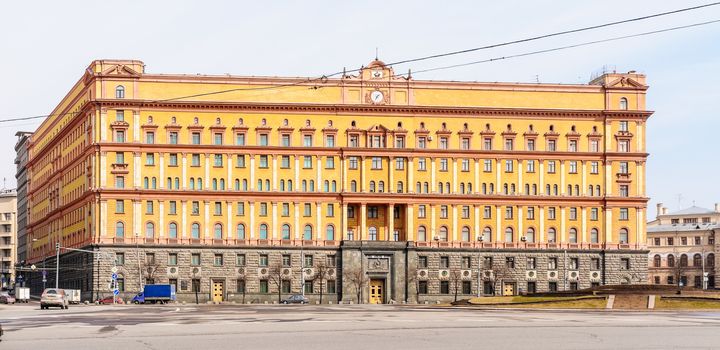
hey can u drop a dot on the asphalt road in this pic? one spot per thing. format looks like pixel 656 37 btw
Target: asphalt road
pixel 349 327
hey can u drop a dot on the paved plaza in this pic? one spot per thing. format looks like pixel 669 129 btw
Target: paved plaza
pixel 349 327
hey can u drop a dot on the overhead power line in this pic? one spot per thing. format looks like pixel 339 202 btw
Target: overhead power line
pixel 446 54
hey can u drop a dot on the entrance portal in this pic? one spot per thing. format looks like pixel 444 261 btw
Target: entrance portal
pixel 376 291
pixel 509 289
pixel 217 291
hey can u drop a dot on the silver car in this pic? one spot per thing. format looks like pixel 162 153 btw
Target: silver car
pixel 54 297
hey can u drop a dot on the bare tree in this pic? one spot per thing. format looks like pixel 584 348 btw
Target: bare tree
pixel 455 279
pixel 357 278
pixel 500 272
pixel 275 276
pixel 321 275
pixel 679 268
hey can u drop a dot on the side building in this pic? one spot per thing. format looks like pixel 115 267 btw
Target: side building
pixel 8 238
pixel 683 249
pixel 21 159
pixel 372 187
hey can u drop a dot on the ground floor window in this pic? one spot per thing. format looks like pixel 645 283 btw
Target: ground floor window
pixel 444 287
pixel 488 288
pixel 698 281
pixel 422 287
pixel 196 285
pixel 308 287
pixel 331 287
pixel 240 286
pixel 531 288
pixel 552 286
pixel 286 284
pixel 467 287
pixel 573 286
pixel 597 284
pixel 670 280
pixel 173 282
pixel 657 279
pixel 264 287
pixel 121 284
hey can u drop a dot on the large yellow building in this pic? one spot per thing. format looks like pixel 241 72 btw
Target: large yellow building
pixel 391 188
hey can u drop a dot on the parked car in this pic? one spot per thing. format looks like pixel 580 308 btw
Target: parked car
pixel 296 299
pixel 108 300
pixel 6 298
pixel 54 297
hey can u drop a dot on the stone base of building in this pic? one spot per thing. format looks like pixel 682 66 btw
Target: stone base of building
pixel 354 272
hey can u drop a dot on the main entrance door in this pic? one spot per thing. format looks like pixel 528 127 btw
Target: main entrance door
pixel 376 291
pixel 509 289
pixel 217 291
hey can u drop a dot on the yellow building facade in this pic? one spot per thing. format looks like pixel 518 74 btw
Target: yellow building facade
pixel 371 170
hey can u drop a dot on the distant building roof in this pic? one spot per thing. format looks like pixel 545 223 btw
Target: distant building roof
pixel 692 211
pixel 682 227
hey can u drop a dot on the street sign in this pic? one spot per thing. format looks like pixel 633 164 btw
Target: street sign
pixel 116 292
pixel 114 269
pixel 44 273
pixel 706 274
pixel 114 276
pixel 33 267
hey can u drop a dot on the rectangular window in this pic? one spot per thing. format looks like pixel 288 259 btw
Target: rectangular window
pixel 240 208
pixel 372 212
pixel 572 145
pixel 330 141
pixel 399 142
pixel 422 164
pixel 552 286
pixel 119 182
pixel 195 160
pixel 624 264
pixel 508 166
pixel 173 138
pixel 443 144
pixel 263 140
pixel 465 165
pixel 240 260
pixel 195 138
pixel 422 287
pixel 218 138
pixel 552 263
pixel 240 286
pixel 119 206
pixel 594 146
pixel 466 262
pixel 531 263
pixel 330 162
pixel 120 259
pixel 240 139
pixel 307 162
pixel 285 210
pixel 150 159
pixel 551 213
pixel 551 145
pixel 444 262
pixel 624 191
pixel 263 260
pixel 307 140
pixel 551 167
pixel 574 263
pixel 594 168
pixel 218 160
pixel 531 213
pixel 530 166
pixel 624 168
pixel 195 259
pixel 218 260
pixel 353 163
pixel 508 212
pixel 623 214
pixel 285 140
pixel 353 141
pixel 466 287
pixel 119 158
pixel 421 211
pixel 308 261
pixel 263 162
pixel 149 207
pixel 399 163
pixel 422 262
pixel 623 125
pixel 487 144
pixel 307 209
pixel 218 208
pixel 330 210
pixel 120 115
pixel 593 214
pixel 508 144
pixel 466 212
pixel 510 262
pixel 530 145
pixel 264 287
pixel 573 213
pixel 595 264
pixel 465 143
pixel 195 208
pixel 150 137
pixel 443 164
pixel 443 211
pixel 487 213
pixel 172 259
pixel 623 146
pixel 573 167
pixel 173 159
pixel 240 161
pixel 487 165
pixel 422 142
pixel 263 209
pixel 376 163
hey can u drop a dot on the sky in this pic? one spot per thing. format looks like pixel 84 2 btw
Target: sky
pixel 46 45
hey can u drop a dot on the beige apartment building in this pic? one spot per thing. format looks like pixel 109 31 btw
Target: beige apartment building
pixel 8 237
pixel 682 246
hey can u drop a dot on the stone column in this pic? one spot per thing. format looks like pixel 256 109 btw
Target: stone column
pixel 363 172
pixel 363 221
pixel 410 226
pixel 390 221
pixel 391 178
pixel 252 220
pixel 183 161
pixel 274 220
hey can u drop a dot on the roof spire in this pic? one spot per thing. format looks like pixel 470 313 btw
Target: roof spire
pixel 376 53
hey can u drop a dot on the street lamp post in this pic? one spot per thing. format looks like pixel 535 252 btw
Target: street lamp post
pixel 480 240
pixel 137 252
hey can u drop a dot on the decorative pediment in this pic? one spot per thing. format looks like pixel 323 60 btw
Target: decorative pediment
pixel 120 70
pixel 378 128
pixel 625 82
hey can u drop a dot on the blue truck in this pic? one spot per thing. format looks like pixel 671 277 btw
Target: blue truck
pixel 155 294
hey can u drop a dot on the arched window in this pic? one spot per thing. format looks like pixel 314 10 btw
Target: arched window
pixel 307 233
pixel 259 185
pixel 418 187
pixel 150 230
pixel 487 234
pixel 422 234
pixel 590 190
pixel 119 91
pixel 199 184
pixel 333 186
pixel 569 191
pixel 353 186
pixel 656 261
pixel 372 186
pixel 245 185
pixel 263 231
pixel 119 229
pixel 512 188
pixel 484 188
pixel 509 234
pixel 572 235
pixel 623 235
pixel 177 183
pixel 551 235
pixel 697 260
pixel 577 190
pixel 282 185
pixel 290 187
pixel 304 185
pixel 443 233
pixel 447 187
pixel 462 187
pixel 267 185
pixel 285 231
pixel 214 184
pixel 505 189
pixel 469 188
pixel 440 187
pixel 594 236
pixel 330 233
pixel 547 189
pixel 710 260
pixel 555 190
pixel 623 103
pixel 222 184
pixel 154 183
pixel 671 260
pixel 535 189
pixel 195 232
pixel 192 183
pixel 426 187
pixel 326 186
pixel 218 231
pixel 312 185
pixel 597 190
pixel 400 187
pixel 240 231
pixel 527 188
pixel 466 234
pixel 381 186
pixel 530 235
pixel 146 182
pixel 372 233
pixel 172 230
pixel 684 260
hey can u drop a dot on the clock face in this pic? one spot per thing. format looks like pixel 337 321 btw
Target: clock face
pixel 376 96
pixel 377 74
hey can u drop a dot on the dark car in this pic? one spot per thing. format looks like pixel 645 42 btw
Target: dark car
pixel 108 300
pixel 296 299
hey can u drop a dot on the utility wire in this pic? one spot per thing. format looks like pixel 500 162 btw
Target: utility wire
pixel 324 77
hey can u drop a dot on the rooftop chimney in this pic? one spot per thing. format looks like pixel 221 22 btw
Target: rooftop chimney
pixel 664 210
pixel 659 209
pixel 717 207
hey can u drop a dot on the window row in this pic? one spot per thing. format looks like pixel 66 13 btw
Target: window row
pixel 218 231
pixel 697 260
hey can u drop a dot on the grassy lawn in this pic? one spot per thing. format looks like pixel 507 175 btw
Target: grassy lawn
pixel 671 304
pixel 584 303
